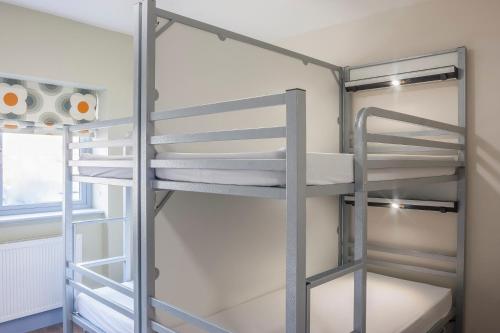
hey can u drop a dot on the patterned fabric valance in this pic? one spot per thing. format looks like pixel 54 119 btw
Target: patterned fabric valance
pixel 34 107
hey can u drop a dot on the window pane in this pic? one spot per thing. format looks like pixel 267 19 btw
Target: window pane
pixel 32 169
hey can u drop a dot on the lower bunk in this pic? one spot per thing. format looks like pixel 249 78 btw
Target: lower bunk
pixel 393 305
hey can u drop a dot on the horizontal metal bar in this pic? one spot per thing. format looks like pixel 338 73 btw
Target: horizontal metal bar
pixel 102 124
pixel 114 306
pixel 384 164
pixel 103 181
pixel 102 262
pixel 335 273
pixel 221 107
pixel 412 268
pixel 400 140
pixel 398 116
pixel 101 221
pixel 399 183
pixel 101 163
pixel 187 317
pixel 238 190
pixel 101 144
pixel 223 164
pixel 407 150
pixel 244 39
pixel 450 70
pixel 329 190
pixel 102 279
pixel 409 252
pixel 431 203
pixel 85 324
pixel 242 134
pixel 422 133
pixel 159 328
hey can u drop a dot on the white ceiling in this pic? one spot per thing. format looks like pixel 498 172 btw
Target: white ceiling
pixel 265 19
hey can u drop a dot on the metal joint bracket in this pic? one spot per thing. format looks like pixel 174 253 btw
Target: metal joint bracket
pixel 164 28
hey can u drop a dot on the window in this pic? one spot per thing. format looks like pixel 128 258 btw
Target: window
pixel 31 175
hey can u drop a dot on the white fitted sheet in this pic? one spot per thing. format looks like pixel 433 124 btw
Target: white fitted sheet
pixel 103 316
pixel 393 306
pixel 322 169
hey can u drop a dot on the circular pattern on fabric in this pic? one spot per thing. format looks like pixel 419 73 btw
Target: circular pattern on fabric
pixel 12 82
pixel 13 99
pixel 50 89
pixel 49 119
pixel 85 91
pixel 63 104
pixel 34 101
pixel 83 107
pixel 13 116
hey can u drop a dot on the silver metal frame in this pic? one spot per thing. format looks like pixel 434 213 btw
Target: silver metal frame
pixel 298 286
pixel 128 259
pixel 396 140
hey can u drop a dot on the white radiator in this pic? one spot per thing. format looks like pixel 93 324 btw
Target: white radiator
pixel 31 277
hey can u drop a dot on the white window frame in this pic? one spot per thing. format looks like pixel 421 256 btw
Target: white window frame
pixel 84 202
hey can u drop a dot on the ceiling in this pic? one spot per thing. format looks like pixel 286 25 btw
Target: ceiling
pixel 264 19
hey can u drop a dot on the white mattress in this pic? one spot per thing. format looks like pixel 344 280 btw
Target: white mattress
pixel 322 169
pixel 393 306
pixel 101 315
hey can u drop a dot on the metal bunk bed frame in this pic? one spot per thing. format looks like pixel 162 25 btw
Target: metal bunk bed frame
pixel 144 184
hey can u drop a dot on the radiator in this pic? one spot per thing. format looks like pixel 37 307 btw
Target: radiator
pixel 31 277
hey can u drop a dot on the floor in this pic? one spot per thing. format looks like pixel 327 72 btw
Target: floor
pixel 56 329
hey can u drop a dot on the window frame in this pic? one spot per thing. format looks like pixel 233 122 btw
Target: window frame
pixel 84 202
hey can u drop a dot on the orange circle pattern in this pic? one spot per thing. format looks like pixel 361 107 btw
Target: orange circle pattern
pixel 83 107
pixel 10 99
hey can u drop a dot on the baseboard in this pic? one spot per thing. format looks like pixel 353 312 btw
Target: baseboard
pixel 33 322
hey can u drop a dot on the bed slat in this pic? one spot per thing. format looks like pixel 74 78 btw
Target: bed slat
pixel 239 134
pixel 237 105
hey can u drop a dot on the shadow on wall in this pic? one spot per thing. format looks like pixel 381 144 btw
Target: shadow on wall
pixel 214 253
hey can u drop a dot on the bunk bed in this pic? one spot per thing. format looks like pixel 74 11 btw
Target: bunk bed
pixel 291 175
pixel 79 297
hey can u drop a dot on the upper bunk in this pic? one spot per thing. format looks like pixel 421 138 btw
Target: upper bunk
pixel 264 174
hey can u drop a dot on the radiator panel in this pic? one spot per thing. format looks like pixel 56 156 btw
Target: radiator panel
pixel 31 277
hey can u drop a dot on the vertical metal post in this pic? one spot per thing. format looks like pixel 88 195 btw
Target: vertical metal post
pixel 360 223
pixel 295 211
pixel 147 88
pixel 68 235
pixel 127 231
pixel 346 129
pixel 136 181
pixel 308 308
pixel 461 193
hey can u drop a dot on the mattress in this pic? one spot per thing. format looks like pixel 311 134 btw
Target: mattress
pixel 322 169
pixel 393 306
pixel 103 316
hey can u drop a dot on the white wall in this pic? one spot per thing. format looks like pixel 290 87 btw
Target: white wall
pixel 216 251
pixel 423 28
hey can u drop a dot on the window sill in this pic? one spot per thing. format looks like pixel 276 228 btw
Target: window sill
pixel 49 217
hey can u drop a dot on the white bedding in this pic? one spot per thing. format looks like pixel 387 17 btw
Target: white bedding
pixel 101 315
pixel 322 169
pixel 393 306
